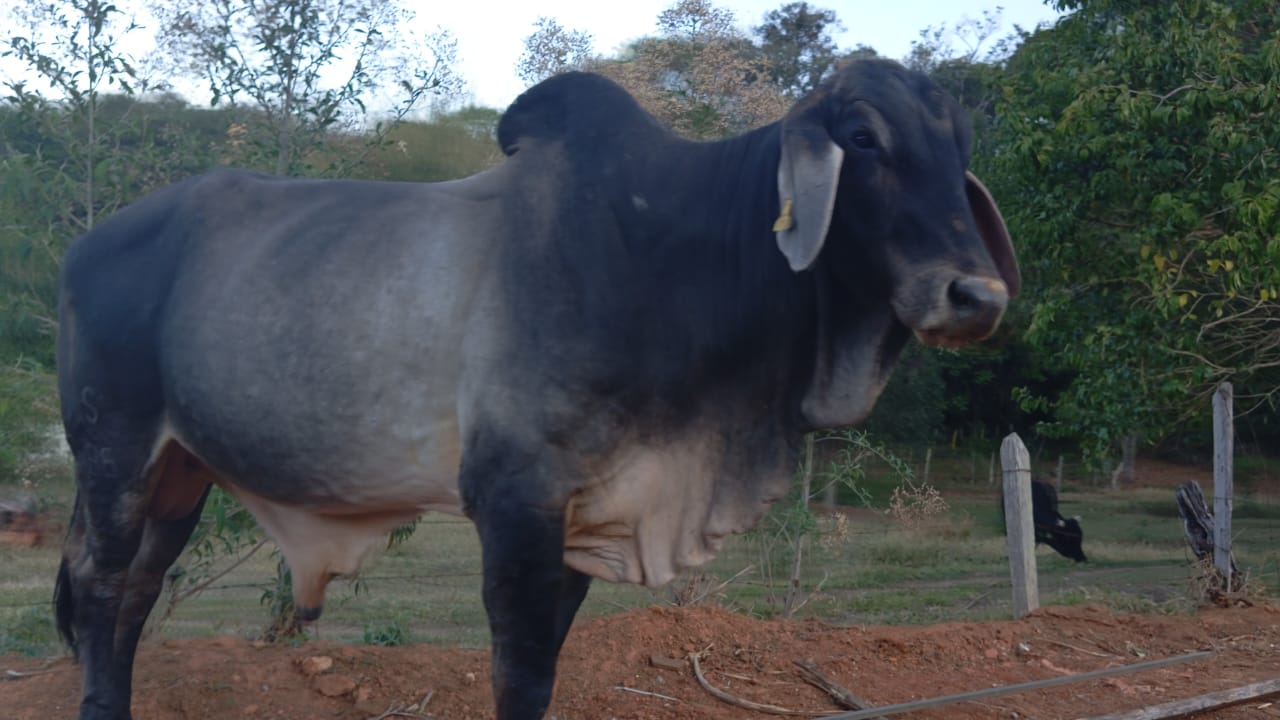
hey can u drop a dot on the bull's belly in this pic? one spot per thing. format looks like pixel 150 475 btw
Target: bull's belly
pixel 333 504
pixel 321 545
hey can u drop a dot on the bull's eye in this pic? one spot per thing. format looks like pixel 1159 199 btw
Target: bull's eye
pixel 863 139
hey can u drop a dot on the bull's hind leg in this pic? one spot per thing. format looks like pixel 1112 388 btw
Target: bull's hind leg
pixel 106 532
pixel 162 543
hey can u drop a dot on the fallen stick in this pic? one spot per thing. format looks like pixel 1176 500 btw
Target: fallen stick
pixel 17 675
pixel 646 693
pixel 47 667
pixel 1199 703
pixel 416 710
pixel 841 695
pixel 1080 649
pixel 739 702
pixel 1020 687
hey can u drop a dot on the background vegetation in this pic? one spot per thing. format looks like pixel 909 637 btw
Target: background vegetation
pixel 1132 147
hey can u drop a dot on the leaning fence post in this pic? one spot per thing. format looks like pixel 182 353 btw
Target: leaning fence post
pixel 1015 463
pixel 1223 449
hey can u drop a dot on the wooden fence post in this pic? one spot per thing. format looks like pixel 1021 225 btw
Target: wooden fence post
pixel 1223 450
pixel 991 469
pixel 928 460
pixel 1058 477
pixel 1015 463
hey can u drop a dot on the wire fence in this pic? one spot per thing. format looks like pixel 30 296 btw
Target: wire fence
pixel 859 563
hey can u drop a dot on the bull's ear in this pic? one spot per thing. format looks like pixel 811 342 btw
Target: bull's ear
pixel 808 175
pixel 994 233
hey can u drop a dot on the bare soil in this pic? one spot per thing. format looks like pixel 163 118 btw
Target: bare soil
pixel 634 666
pixel 609 662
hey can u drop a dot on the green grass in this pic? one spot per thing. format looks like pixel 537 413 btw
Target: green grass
pixel 32 466
pixel 26 591
pixel 386 633
pixel 28 631
pixel 871 569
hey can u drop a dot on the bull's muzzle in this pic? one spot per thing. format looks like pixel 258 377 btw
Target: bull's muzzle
pixel 966 309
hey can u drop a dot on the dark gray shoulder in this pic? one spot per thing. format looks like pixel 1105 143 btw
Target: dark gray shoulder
pixel 584 109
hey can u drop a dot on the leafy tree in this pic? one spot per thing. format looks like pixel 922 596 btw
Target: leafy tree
pixel 1136 136
pixel 551 50
pixel 277 56
pixel 71 46
pixel 700 75
pixel 967 60
pixel 77 143
pixel 796 39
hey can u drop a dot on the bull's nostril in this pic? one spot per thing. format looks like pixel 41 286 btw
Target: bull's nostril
pixel 973 295
pixel 961 295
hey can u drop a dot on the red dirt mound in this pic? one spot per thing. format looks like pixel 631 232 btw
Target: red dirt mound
pixel 632 666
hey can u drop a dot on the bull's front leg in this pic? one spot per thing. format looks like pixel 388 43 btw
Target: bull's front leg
pixel 529 594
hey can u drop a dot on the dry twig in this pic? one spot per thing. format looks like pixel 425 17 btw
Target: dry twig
pixel 739 702
pixel 841 695
pixel 47 667
pixel 417 711
pixel 16 675
pixel 1080 649
pixel 646 693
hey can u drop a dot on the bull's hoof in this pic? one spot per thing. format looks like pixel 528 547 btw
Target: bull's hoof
pixel 308 614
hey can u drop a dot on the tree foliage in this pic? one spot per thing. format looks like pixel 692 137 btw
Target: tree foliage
pixel 796 40
pixel 307 67
pixel 700 75
pixel 1138 138
pixel 73 148
pixel 551 50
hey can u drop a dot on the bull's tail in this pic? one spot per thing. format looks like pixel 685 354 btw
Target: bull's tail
pixel 64 606
pixel 64 601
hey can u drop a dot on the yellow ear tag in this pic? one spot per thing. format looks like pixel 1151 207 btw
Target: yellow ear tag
pixel 784 221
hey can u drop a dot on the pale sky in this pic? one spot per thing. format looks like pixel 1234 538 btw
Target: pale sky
pixel 490 33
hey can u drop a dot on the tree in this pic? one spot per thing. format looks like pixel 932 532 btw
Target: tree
pixel 1136 136
pixel 277 57
pixel 796 39
pixel 72 46
pixel 699 75
pixel 77 143
pixel 551 50
pixel 971 71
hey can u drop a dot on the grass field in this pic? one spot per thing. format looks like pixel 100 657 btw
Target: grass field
pixel 867 568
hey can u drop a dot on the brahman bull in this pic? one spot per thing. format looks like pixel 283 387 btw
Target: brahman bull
pixel 604 351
